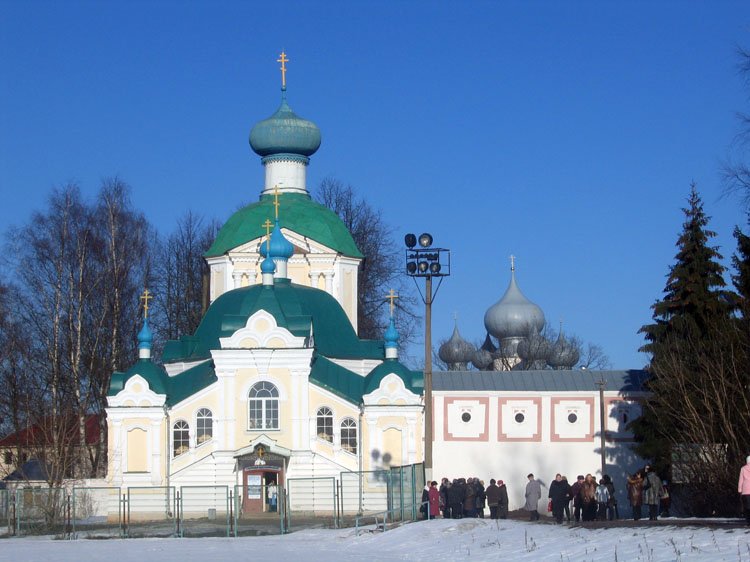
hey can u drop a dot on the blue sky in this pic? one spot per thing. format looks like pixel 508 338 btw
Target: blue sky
pixel 565 133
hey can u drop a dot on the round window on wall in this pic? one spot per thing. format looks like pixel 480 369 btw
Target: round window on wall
pixel 572 418
pixel 466 417
pixel 519 417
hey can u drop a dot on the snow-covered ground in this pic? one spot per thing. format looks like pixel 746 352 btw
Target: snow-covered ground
pixel 466 539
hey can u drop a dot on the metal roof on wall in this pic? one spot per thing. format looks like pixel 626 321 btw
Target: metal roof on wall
pixel 540 381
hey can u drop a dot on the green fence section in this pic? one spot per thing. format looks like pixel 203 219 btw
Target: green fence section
pixel 42 511
pixel 258 510
pixel 198 511
pixel 97 512
pixel 151 512
pixel 312 503
pixel 7 525
pixel 204 511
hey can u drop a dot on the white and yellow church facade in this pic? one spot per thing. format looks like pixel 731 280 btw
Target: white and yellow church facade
pixel 275 384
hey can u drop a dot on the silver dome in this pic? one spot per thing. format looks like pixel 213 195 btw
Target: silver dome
pixel 513 316
pixel 563 354
pixel 456 352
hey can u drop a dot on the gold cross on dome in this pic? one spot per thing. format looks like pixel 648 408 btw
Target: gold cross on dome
pixel 268 225
pixel 392 296
pixel 283 60
pixel 145 297
pixel 276 203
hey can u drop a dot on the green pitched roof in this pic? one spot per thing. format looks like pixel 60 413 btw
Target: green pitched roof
pixel 176 388
pixel 304 311
pixel 413 380
pixel 350 386
pixel 298 213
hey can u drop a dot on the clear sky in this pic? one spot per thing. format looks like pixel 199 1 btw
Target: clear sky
pixel 565 133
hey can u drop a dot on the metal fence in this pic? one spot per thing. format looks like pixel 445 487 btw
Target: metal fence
pixel 198 511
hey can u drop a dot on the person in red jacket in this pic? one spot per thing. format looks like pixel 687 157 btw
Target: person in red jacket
pixel 434 499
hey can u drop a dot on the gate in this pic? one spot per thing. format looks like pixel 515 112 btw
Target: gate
pixel 151 512
pixel 97 512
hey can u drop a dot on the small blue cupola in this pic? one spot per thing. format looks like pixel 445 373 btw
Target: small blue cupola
pixel 145 339
pixel 391 333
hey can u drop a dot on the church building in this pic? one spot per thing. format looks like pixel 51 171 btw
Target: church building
pixel 275 383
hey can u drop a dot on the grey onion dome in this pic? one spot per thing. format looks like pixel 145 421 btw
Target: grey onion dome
pixel 535 350
pixel 456 352
pixel 563 354
pixel 483 356
pixel 513 316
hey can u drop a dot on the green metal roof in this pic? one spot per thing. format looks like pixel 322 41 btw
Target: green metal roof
pixel 413 380
pixel 298 213
pixel 352 387
pixel 176 388
pixel 297 308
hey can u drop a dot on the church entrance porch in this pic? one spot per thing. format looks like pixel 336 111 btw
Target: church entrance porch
pixel 262 468
pixel 260 489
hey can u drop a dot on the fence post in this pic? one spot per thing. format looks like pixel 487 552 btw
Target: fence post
pixel 68 529
pixel 177 506
pixel 12 519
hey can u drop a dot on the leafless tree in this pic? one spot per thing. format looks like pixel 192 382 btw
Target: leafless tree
pixel 382 267
pixel 180 271
pixel 736 169
pixel 702 387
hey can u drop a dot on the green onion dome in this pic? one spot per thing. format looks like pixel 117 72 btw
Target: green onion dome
pixel 285 134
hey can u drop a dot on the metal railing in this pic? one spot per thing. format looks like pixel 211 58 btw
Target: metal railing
pixel 345 500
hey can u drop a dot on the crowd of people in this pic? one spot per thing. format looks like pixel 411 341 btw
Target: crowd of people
pixel 590 500
pixel 584 500
pixel 465 497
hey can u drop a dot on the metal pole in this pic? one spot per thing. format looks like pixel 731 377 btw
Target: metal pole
pixel 428 379
pixel 601 426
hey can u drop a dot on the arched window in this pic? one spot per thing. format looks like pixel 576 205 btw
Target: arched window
pixel 349 435
pixel 204 426
pixel 180 438
pixel 325 424
pixel 263 406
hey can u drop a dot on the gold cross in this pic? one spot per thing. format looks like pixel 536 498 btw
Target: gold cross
pixel 283 60
pixel 145 297
pixel 276 203
pixel 392 296
pixel 267 225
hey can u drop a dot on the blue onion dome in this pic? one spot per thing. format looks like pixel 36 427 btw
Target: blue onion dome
pixel 267 265
pixel 391 335
pixel 513 316
pixel 563 355
pixel 535 350
pixel 145 337
pixel 456 352
pixel 278 247
pixel 284 133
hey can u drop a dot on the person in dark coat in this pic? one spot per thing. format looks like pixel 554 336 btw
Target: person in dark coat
pixel 492 494
pixel 502 506
pixel 470 499
pixel 480 498
pixel 456 499
pixel 575 495
pixel 445 505
pixel 425 505
pixel 566 509
pixel 558 493
pixel 612 504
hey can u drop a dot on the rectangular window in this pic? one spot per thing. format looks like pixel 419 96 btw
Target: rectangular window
pixel 8 457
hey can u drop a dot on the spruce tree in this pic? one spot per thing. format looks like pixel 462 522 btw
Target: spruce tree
pixel 694 308
pixel 741 278
pixel 694 297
